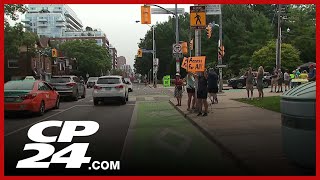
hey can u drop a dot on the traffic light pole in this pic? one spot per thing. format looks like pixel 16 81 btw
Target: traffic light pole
pixel 177 38
pixel 219 44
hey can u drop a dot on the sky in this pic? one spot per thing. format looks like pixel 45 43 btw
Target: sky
pixel 118 22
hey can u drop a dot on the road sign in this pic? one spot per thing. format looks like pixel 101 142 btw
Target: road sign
pixel 198 17
pixel 162 11
pixel 147 51
pixel 221 66
pixel 176 49
pixel 213 9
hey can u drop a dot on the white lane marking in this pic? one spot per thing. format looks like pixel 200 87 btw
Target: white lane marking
pixel 17 130
pixel 57 110
pixel 132 98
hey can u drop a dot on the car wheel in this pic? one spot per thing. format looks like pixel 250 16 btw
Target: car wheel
pixel 57 103
pixel 123 101
pixel 42 108
pixel 239 85
pixel 95 101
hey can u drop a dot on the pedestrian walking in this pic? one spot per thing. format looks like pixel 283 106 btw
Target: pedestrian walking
pixel 260 81
pixel 178 89
pixel 249 82
pixel 213 86
pixel 280 80
pixel 274 80
pixel 202 93
pixel 286 78
pixel 191 90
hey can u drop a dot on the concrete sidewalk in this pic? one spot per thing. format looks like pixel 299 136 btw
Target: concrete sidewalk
pixel 251 135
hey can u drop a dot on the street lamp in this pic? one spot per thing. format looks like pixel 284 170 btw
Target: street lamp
pixel 153 55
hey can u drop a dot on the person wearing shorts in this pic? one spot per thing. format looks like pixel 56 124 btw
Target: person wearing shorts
pixel 274 81
pixel 286 78
pixel 213 86
pixel 280 80
pixel 191 90
pixel 249 82
pixel 202 93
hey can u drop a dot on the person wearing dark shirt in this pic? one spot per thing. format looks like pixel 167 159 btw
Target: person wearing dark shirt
pixel 312 73
pixel 202 93
pixel 213 85
pixel 178 89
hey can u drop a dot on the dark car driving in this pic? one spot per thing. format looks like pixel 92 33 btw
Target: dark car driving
pixel 240 82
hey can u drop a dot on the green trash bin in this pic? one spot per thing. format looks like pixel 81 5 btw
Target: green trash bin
pixel 298 108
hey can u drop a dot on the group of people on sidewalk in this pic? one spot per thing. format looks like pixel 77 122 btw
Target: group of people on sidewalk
pixel 198 86
pixel 278 78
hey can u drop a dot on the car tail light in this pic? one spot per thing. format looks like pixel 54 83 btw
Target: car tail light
pixel 28 96
pixel 71 84
pixel 97 87
pixel 119 87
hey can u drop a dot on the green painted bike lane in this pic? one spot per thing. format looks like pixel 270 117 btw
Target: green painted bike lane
pixel 161 141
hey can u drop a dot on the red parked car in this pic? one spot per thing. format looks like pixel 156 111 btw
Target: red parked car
pixel 34 96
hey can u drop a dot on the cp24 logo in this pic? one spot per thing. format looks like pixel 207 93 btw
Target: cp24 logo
pixel 68 131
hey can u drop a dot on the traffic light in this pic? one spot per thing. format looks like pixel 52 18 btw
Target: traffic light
pixel 184 46
pixel 54 53
pixel 209 31
pixel 191 44
pixel 145 15
pixel 139 52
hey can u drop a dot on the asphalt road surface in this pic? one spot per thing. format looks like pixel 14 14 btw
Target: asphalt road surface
pixel 105 144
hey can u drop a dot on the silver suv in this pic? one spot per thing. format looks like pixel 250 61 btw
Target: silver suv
pixel 69 86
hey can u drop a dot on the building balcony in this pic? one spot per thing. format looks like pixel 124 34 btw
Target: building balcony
pixel 60 25
pixel 43 25
pixel 61 20
pixel 42 20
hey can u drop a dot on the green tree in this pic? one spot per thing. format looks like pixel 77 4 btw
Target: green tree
pixel 266 57
pixel 12 10
pixel 91 58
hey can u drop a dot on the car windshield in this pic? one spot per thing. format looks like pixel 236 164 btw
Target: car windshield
pixel 108 81
pixel 93 79
pixel 19 85
pixel 60 79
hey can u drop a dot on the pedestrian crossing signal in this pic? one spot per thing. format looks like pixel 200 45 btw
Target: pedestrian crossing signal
pixel 54 53
pixel 209 31
pixel 140 53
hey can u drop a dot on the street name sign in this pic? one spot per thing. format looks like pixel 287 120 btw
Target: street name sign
pixel 221 66
pixel 168 11
pixel 213 9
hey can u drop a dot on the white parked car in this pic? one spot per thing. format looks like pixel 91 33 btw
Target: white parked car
pixel 110 88
pixel 129 83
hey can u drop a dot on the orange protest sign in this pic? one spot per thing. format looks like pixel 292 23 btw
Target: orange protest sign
pixel 184 64
pixel 196 64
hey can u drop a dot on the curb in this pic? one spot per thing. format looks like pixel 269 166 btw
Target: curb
pixel 228 152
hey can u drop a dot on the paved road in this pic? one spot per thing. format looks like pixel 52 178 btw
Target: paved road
pixel 107 143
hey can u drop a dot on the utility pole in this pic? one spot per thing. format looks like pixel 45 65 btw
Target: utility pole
pixel 278 50
pixel 220 44
pixel 154 57
pixel 177 39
